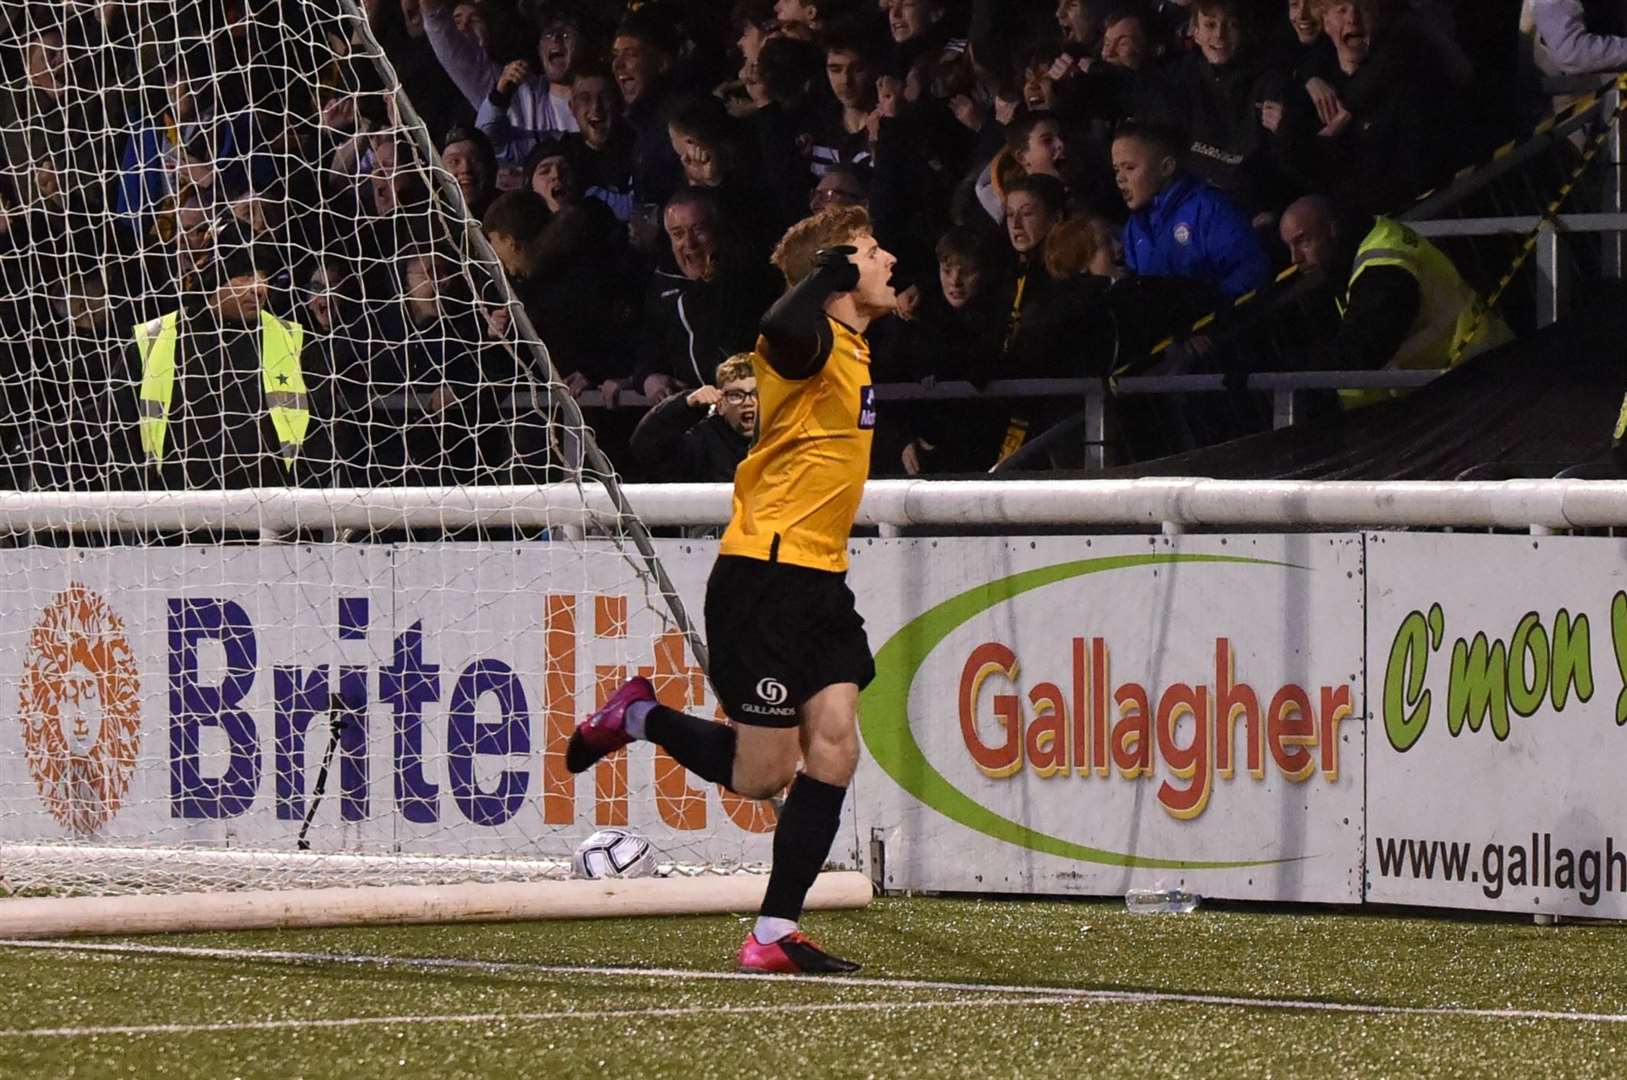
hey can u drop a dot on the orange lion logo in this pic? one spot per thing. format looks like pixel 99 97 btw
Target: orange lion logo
pixel 80 710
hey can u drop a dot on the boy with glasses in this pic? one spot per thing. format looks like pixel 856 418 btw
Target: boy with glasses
pixel 699 437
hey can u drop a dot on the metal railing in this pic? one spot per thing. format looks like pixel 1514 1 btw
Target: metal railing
pixel 1609 222
pixel 1092 423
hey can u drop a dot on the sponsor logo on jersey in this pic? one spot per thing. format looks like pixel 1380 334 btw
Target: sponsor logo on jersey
pixel 867 407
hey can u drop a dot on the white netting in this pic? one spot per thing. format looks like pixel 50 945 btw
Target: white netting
pixel 209 283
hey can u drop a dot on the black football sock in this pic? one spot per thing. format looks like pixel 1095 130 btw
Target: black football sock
pixel 802 840
pixel 701 746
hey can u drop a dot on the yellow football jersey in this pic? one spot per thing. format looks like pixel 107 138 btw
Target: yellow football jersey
pixel 797 491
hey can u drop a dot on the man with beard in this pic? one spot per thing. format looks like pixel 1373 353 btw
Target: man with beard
pixel 1402 303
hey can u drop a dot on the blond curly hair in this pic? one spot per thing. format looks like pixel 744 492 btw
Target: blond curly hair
pixel 829 228
pixel 734 369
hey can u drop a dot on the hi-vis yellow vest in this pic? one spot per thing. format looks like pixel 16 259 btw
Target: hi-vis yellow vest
pixel 280 375
pixel 1453 323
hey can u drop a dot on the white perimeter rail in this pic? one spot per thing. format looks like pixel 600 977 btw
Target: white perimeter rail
pixel 1171 504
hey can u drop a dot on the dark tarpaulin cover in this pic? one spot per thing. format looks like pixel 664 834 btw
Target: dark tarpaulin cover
pixel 1550 399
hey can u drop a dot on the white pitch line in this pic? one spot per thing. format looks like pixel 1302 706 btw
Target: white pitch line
pixel 1058 994
pixel 511 1018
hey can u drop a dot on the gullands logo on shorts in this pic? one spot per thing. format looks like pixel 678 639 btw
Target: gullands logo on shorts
pixel 80 710
pixel 773 693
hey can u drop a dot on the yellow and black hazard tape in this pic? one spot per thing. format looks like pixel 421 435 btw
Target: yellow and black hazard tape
pixel 1581 105
pixel 1209 320
pixel 1564 116
pixel 1550 215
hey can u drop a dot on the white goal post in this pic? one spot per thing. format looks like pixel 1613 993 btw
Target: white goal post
pixel 399 905
pixel 239 292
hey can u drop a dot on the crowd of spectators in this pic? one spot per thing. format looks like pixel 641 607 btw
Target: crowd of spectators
pixel 1063 182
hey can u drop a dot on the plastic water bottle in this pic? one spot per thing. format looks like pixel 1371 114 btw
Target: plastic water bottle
pixel 1161 902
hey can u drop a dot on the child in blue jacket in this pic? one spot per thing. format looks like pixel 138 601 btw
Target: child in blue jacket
pixel 1179 226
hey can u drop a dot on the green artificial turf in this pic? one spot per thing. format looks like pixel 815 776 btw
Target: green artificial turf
pixel 506 1013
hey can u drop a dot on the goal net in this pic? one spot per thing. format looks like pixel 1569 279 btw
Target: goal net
pixel 312 564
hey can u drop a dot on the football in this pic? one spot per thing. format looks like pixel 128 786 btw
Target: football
pixel 613 853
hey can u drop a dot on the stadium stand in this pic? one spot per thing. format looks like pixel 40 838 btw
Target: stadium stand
pixel 633 164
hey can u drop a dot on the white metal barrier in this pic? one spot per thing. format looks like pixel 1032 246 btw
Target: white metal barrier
pixel 1150 503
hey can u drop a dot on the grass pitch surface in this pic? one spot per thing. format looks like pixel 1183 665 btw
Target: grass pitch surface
pixel 950 988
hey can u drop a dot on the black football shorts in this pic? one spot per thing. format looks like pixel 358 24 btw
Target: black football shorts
pixel 779 634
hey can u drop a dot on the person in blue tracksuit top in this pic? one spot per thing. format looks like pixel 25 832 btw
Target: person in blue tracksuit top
pixel 1179 226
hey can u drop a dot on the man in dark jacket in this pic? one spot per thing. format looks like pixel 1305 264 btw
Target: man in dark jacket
pixel 701 436
pixel 1213 94
pixel 642 57
pixel 1403 305
pixel 606 149
pixel 1386 141
pixel 704 313
pixel 560 251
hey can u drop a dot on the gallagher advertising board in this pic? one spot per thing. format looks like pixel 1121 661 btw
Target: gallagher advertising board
pixel 1067 715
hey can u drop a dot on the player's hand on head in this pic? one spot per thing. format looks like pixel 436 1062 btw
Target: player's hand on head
pixel 838 263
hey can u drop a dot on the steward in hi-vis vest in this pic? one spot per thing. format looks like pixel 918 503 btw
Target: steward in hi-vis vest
pixel 286 401
pixel 224 396
pixel 1404 305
